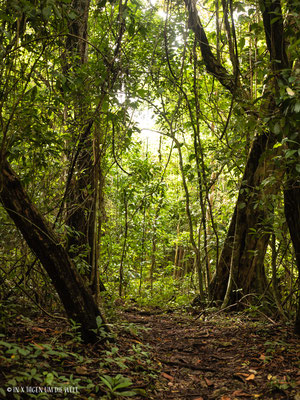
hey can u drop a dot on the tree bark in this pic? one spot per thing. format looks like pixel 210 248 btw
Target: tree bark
pixel 248 226
pixel 43 241
pixel 280 62
pixel 292 215
pixel 245 228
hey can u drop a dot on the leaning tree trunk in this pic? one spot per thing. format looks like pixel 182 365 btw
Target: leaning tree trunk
pixel 76 298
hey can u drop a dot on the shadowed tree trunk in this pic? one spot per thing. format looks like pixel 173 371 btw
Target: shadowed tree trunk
pixel 246 220
pixel 246 227
pixel 81 190
pixel 43 241
pixel 83 197
pixel 281 67
pixel 249 227
pixel 292 214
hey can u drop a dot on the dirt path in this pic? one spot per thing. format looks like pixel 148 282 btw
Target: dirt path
pixel 222 358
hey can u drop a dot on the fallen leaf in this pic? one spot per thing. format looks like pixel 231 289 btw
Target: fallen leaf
pixel 199 398
pixel 241 394
pixel 167 376
pixel 253 371
pixel 250 377
pixel 38 346
pixel 224 344
pixel 81 370
pixel 262 357
pixel 225 398
pixel 208 382
pixel 37 329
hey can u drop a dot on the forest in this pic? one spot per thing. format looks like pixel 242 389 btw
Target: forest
pixel 150 199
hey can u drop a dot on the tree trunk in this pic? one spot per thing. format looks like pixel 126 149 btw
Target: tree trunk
pixel 281 67
pixel 251 213
pixel 76 298
pixel 81 191
pixel 292 215
pixel 249 226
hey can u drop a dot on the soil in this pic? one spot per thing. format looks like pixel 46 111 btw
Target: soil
pixel 222 358
pixel 166 355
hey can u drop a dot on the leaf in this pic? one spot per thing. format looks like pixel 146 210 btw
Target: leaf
pixel 250 377
pixel 240 393
pixel 39 346
pixel 128 393
pixel 81 370
pixel 208 382
pixel 242 43
pixel 297 107
pixel 72 15
pixel 226 344
pixel 107 381
pixel 253 371
pixel 46 11
pixel 99 321
pixel 123 385
pixel 290 92
pixel 163 374
pixel 37 329
pixel 290 153
pixel 276 128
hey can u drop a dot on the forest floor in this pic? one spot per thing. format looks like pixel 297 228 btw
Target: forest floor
pixel 222 358
pixel 155 355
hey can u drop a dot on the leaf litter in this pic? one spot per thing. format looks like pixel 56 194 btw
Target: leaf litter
pixel 163 356
pixel 227 357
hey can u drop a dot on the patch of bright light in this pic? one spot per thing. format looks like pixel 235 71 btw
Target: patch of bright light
pixel 146 123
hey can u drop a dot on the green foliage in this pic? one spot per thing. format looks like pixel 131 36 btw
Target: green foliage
pixel 28 366
pixel 142 60
pixel 117 386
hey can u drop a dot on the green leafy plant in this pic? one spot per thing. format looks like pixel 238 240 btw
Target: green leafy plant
pixel 116 386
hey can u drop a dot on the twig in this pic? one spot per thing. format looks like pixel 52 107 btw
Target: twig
pixel 184 365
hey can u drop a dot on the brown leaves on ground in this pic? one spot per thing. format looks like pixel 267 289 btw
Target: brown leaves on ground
pixel 223 358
